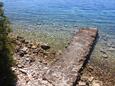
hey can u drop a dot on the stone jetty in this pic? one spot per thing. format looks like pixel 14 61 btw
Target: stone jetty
pixel 65 71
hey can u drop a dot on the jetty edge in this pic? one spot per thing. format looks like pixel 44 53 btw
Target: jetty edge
pixel 65 71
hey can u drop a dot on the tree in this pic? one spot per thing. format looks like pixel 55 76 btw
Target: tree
pixel 6 51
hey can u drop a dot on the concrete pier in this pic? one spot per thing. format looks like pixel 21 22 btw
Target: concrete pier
pixel 65 71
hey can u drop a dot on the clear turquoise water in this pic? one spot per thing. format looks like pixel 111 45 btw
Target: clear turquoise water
pixel 62 15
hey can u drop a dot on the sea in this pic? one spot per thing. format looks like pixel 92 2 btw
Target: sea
pixel 62 17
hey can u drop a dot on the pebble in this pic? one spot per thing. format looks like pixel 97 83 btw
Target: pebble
pixel 81 83
pixel 33 47
pixel 91 79
pixel 105 56
pixel 96 83
pixel 19 66
pixel 23 71
pixel 24 49
pixel 21 54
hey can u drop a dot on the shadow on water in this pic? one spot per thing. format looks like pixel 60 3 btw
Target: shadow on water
pixel 7 76
pixel 86 61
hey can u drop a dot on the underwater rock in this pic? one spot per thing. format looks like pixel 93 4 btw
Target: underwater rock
pixel 45 46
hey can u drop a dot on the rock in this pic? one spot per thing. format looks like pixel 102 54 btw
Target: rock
pixel 65 25
pixel 17 49
pixel 18 37
pixel 105 56
pixel 23 71
pixel 30 45
pixel 36 50
pixel 97 83
pixel 27 59
pixel 81 83
pixel 21 53
pixel 13 68
pixel 18 42
pixel 45 46
pixel 19 66
pixel 75 25
pixel 34 47
pixel 26 42
pixel 111 49
pixel 27 55
pixel 90 68
pixel 24 49
pixel 90 79
pixel 59 52
pixel 103 51
pixel 21 39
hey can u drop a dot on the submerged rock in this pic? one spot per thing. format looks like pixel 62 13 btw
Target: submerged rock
pixel 105 56
pixel 111 49
pixel 45 46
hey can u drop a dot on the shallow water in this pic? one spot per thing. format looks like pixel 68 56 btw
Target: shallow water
pixel 62 16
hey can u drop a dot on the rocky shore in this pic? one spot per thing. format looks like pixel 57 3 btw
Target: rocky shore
pixel 33 59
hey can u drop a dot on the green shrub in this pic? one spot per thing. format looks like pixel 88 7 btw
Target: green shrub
pixel 7 77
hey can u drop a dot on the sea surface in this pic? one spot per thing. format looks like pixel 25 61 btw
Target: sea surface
pixel 62 16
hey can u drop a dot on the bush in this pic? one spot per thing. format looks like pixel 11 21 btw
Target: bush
pixel 7 77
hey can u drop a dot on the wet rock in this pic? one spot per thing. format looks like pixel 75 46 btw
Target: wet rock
pixel 65 25
pixel 75 25
pixel 103 51
pixel 45 46
pixel 111 49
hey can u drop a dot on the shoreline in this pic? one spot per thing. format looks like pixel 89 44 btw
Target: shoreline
pixel 102 57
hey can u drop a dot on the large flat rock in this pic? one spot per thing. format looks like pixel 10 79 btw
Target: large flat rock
pixel 65 71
